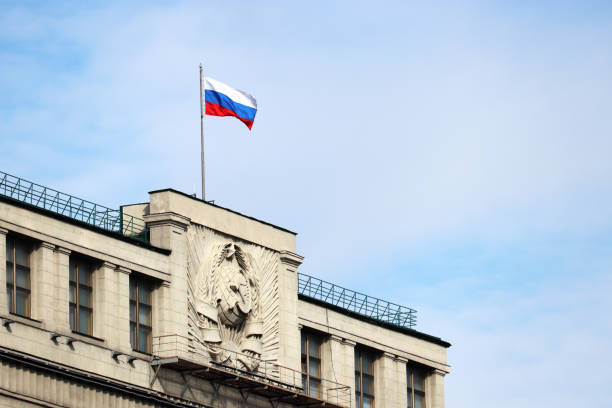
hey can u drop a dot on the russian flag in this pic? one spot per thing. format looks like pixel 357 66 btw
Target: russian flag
pixel 223 100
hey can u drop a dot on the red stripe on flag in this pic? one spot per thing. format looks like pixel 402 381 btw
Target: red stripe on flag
pixel 212 109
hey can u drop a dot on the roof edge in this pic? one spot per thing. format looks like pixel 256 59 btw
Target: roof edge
pixel 403 330
pixel 223 208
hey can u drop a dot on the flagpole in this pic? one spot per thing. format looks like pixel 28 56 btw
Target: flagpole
pixel 202 133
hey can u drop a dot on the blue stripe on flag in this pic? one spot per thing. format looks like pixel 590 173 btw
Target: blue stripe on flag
pixel 245 112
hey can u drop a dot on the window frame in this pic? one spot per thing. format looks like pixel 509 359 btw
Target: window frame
pixel 359 393
pixel 411 390
pixel 138 282
pixel 75 323
pixel 13 241
pixel 306 358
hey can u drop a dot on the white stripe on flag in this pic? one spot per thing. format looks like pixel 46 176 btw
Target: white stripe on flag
pixel 236 95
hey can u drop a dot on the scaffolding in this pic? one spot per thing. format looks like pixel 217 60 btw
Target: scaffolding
pixel 244 372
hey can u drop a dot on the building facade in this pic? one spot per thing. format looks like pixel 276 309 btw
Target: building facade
pixel 179 302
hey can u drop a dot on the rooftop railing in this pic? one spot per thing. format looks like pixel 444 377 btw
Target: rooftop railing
pixel 355 302
pixel 72 207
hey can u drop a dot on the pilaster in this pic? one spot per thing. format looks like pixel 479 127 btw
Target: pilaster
pixel 435 385
pixel 386 387
pixel 61 293
pixel 341 366
pixel 401 377
pixel 288 330
pixel 3 306
pixel 106 308
pixel 43 280
pixel 167 230
pixel 122 279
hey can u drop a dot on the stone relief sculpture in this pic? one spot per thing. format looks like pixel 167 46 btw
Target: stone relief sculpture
pixel 226 284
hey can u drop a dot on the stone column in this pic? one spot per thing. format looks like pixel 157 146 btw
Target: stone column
pixel 435 389
pixel 402 381
pixel 122 279
pixel 289 353
pixel 171 303
pixel 61 293
pixel 386 385
pixel 105 309
pixel 3 308
pixel 43 282
pixel 339 366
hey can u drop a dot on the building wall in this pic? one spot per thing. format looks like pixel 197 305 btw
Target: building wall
pixel 108 353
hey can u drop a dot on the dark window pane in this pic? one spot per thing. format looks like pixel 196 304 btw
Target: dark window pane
pixel 358 399
pixel 144 315
pixel 72 269
pixel 133 335
pixel 357 387
pixel 9 272
pixel 72 290
pixel 315 367
pixel 22 274
pixel 22 253
pixel 84 273
pixel 357 358
pixel 366 363
pixel 132 312
pixel 368 402
pixel 409 398
pixel 9 298
pixel 418 381
pixel 143 337
pixel 84 296
pixel 303 343
pixel 9 250
pixel 23 303
pixel 132 289
pixel 315 388
pixel 72 317
pixel 314 345
pixel 419 400
pixel 367 383
pixel 84 321
pixel 144 293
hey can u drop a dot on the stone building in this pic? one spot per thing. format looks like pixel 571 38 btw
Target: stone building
pixel 180 302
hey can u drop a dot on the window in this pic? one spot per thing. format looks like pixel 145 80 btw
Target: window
pixel 18 275
pixel 140 314
pixel 416 387
pixel 311 364
pixel 81 293
pixel 364 378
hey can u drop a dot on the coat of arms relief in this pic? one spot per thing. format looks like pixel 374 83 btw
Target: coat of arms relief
pixel 234 298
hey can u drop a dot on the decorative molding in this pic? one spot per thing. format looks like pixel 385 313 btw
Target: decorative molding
pixel 62 250
pixel 123 269
pixel 389 355
pixel 342 340
pixel 439 372
pixel 108 265
pixel 3 231
pixel 167 219
pixel 401 359
pixel 293 259
pixel 47 245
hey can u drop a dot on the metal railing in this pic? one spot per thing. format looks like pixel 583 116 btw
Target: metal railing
pixel 269 372
pixel 73 207
pixel 356 302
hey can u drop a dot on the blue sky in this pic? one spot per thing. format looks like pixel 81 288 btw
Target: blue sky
pixel 459 152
